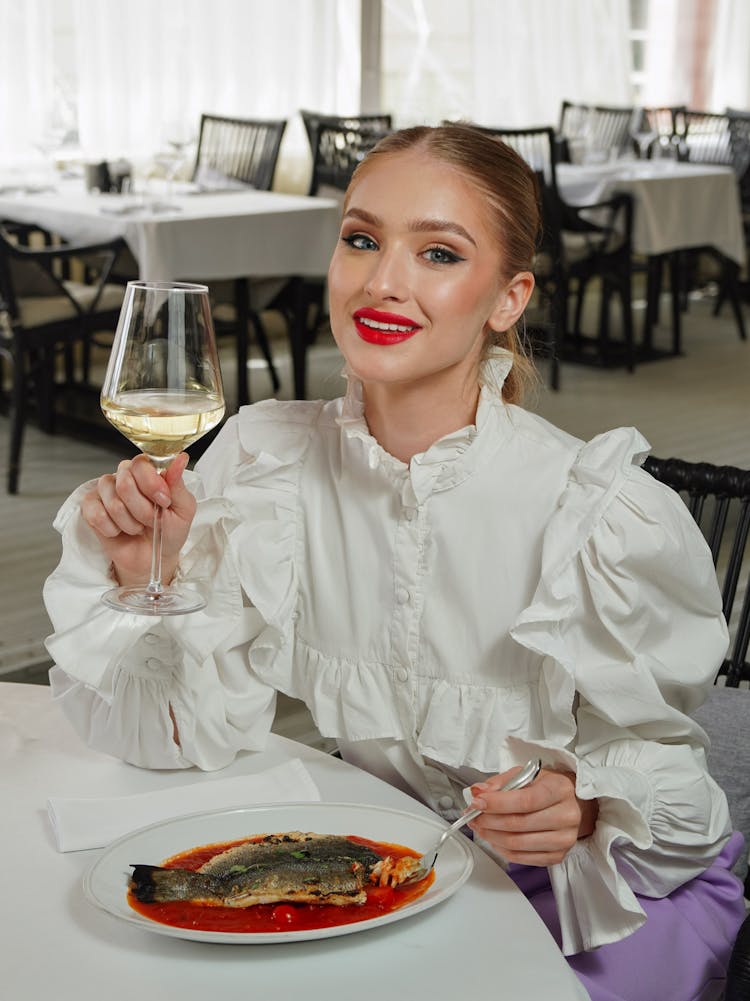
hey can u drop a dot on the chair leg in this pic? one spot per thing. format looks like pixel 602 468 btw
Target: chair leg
pixel 17 421
pixel 730 287
pixel 675 285
pixel 265 347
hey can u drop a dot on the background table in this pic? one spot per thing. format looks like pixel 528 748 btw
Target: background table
pixel 207 236
pixel 486 940
pixel 675 205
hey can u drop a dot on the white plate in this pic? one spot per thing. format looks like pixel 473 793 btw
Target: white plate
pixel 105 883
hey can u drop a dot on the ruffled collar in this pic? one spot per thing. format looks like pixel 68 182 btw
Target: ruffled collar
pixel 451 458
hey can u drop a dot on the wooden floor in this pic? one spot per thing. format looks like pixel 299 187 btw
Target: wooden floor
pixel 696 407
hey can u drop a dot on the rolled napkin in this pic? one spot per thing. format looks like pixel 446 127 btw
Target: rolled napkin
pixel 79 824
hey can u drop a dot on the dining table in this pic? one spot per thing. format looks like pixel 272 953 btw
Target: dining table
pixel 183 232
pixel 484 939
pixel 677 206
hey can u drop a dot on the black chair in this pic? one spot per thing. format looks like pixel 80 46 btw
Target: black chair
pixel 51 299
pixel 718 497
pixel 245 150
pixel 579 243
pixel 381 123
pixel 337 152
pixel 239 152
pixel 600 127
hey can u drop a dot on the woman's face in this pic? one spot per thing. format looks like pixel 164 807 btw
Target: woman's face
pixel 415 282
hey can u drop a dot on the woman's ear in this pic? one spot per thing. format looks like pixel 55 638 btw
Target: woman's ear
pixel 511 302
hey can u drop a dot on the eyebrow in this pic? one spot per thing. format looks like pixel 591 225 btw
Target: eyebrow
pixel 416 225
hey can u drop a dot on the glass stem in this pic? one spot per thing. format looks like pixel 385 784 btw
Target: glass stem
pixel 155 586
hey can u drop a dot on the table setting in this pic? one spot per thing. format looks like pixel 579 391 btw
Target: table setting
pixel 75 820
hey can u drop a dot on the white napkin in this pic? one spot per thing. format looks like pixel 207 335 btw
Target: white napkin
pixel 92 823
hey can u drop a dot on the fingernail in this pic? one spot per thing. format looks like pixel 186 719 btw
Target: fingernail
pixel 478 804
pixel 162 498
pixel 479 788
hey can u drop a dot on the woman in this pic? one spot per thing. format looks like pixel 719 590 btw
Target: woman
pixel 448 582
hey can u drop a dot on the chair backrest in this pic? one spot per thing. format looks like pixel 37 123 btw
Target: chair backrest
pixel 707 138
pixel 239 149
pixel 338 151
pixel 314 119
pixel 538 147
pixel 718 498
pixel 599 126
pixel 739 133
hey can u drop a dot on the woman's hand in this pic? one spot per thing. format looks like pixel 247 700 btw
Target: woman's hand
pixel 536 825
pixel 120 510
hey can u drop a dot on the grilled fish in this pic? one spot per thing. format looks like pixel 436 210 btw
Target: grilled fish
pixel 290 867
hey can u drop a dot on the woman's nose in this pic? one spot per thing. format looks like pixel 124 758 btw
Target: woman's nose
pixel 389 277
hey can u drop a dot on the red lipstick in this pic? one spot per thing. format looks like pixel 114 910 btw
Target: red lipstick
pixel 383 328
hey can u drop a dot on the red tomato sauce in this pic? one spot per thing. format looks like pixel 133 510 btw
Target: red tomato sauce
pixel 280 917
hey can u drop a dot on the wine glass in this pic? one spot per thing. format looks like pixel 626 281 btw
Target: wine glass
pixel 163 391
pixel 642 131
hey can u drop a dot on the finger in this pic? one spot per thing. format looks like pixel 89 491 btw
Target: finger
pixel 125 506
pixel 543 848
pixel 182 502
pixel 148 480
pixel 565 816
pixel 95 515
pixel 130 494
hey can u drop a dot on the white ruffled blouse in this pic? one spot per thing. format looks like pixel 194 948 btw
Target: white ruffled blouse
pixel 511 592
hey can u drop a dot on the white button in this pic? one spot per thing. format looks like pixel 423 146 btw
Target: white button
pixel 153 664
pixel 151 638
pixel 402 595
pixel 445 802
pixel 410 514
pixel 295 616
pixel 402 674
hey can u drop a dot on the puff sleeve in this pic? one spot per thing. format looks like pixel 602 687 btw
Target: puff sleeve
pixel 117 674
pixel 627 616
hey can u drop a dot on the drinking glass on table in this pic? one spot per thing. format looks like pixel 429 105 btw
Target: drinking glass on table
pixel 163 391
pixel 642 132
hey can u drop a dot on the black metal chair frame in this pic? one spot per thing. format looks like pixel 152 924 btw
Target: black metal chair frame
pixel 711 492
pixel 245 150
pixel 606 228
pixel 32 350
pixel 609 126
pixel 313 120
pixel 338 150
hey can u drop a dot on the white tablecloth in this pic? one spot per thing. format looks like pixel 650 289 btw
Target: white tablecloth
pixel 484 941
pixel 676 205
pixel 231 234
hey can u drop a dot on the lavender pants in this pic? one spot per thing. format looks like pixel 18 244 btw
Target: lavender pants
pixel 681 951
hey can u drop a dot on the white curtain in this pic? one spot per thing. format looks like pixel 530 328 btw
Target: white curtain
pixel 730 56
pixel 142 71
pixel 530 55
pixel 26 77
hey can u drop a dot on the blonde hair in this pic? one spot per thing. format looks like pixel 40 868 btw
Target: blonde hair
pixel 510 188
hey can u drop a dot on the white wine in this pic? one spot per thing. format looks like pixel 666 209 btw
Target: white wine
pixel 162 422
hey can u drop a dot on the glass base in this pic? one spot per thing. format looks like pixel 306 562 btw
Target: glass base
pixel 171 601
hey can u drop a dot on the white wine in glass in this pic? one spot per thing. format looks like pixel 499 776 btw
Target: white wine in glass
pixel 163 391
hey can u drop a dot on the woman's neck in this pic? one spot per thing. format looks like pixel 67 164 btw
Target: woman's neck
pixel 407 419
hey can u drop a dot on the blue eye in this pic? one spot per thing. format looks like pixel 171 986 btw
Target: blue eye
pixel 441 255
pixel 360 242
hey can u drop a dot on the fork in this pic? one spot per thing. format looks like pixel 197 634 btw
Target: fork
pixel 523 778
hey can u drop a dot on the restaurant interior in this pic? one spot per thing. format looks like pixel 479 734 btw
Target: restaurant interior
pixel 187 141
